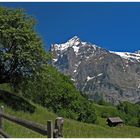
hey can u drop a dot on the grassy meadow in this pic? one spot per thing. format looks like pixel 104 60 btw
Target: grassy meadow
pixel 72 129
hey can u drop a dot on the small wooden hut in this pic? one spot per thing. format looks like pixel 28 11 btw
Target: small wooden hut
pixel 115 121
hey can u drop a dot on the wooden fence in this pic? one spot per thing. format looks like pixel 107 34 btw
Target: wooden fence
pixel 50 131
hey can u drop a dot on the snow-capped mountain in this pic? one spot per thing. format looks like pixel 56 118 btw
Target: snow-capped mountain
pixel 129 56
pixel 114 76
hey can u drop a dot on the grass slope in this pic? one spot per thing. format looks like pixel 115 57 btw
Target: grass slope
pixel 72 129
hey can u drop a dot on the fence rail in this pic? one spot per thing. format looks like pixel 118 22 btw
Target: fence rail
pixel 49 130
pixel 5 135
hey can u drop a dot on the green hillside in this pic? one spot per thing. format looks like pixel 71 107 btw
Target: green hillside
pixel 72 129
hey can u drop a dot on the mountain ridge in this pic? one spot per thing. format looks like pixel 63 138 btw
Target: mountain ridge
pixel 98 72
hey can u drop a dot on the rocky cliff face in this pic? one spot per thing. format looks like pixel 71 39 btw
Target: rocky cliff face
pixel 113 76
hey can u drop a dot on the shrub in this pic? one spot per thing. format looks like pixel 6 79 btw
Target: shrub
pixel 131 112
pixel 105 115
pixel 16 102
pixel 57 92
pixel 139 122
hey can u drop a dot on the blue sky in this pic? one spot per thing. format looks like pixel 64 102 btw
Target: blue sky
pixel 114 26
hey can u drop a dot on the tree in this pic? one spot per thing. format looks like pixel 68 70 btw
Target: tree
pixel 21 49
pixel 57 93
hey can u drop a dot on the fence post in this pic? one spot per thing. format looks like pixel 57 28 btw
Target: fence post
pixel 49 129
pixel 59 127
pixel 1 120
